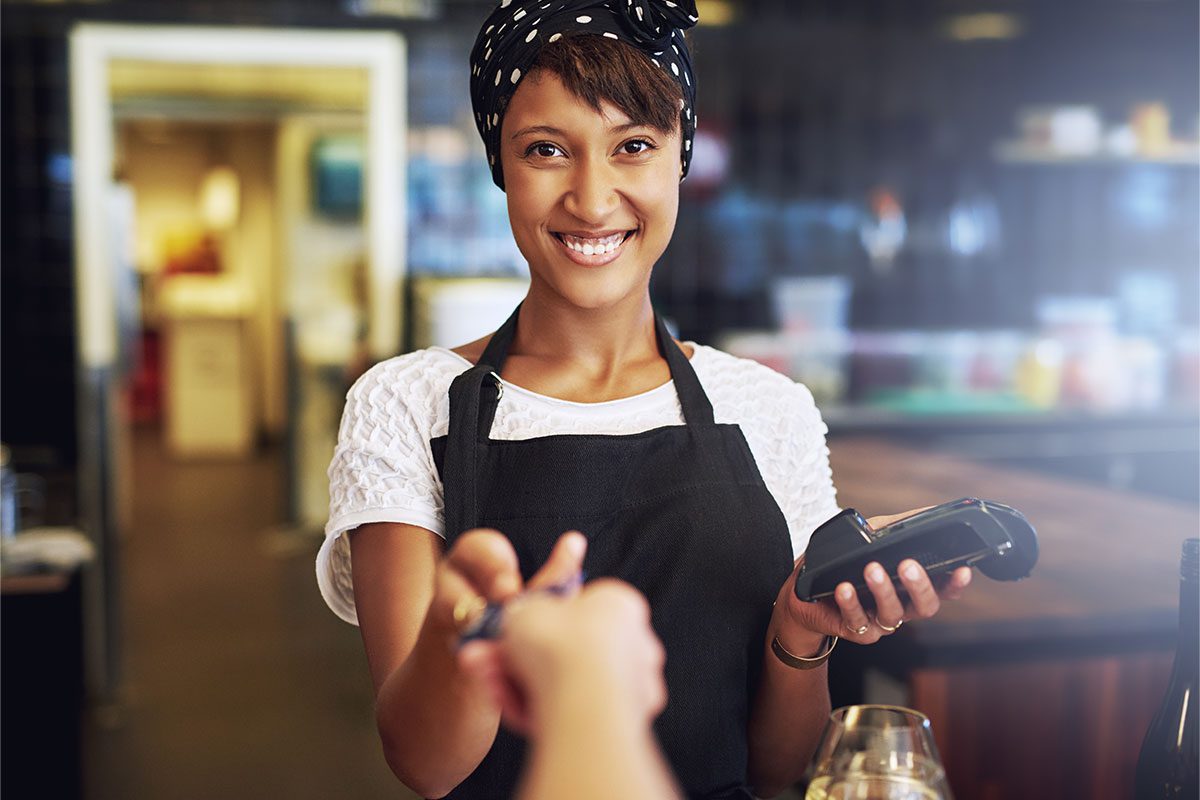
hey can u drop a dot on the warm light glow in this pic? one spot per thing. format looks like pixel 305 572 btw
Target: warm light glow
pixel 974 27
pixel 715 13
pixel 220 198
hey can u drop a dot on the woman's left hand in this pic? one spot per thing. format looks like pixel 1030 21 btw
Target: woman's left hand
pixel 801 625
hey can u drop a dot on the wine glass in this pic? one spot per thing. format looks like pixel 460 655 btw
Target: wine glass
pixel 873 752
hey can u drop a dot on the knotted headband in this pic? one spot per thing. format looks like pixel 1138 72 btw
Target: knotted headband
pixel 510 39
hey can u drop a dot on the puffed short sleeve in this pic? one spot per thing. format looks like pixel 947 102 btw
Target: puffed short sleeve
pixel 382 468
pixel 798 472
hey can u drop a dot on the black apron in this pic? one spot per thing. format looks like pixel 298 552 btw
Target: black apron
pixel 679 512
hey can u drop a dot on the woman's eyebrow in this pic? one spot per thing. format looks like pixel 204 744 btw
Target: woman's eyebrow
pixel 544 129
pixel 549 130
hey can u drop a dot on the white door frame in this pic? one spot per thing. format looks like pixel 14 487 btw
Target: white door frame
pixel 380 53
pixel 92 48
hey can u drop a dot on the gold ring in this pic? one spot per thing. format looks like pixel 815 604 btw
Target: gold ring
pixel 858 631
pixel 886 629
pixel 467 610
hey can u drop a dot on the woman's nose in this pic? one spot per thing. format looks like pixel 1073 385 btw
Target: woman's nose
pixel 593 193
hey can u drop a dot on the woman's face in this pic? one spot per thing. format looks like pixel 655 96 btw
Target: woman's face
pixel 592 197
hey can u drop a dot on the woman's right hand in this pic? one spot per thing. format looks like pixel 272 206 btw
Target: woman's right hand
pixel 482 567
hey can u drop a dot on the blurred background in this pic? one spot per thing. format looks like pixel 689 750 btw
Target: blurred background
pixel 971 228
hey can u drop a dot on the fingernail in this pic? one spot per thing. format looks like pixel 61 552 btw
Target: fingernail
pixel 912 571
pixel 845 592
pixel 576 545
pixel 875 574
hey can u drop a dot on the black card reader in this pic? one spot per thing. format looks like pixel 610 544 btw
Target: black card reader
pixel 966 532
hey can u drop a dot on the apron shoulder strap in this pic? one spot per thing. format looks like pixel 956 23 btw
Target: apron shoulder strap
pixel 473 399
pixel 474 395
pixel 697 409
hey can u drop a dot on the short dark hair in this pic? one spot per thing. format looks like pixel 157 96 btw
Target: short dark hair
pixel 598 69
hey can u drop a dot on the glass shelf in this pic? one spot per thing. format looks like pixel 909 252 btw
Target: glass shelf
pixel 1182 154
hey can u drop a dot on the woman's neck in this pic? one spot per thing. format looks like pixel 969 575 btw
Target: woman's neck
pixel 583 355
pixel 600 340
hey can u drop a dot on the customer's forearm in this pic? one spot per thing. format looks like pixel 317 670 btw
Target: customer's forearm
pixel 789 714
pixel 590 747
pixel 436 724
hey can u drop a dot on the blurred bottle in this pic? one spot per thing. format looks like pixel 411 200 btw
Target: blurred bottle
pixel 1170 761
pixel 1039 371
pixel 8 495
pixel 1151 123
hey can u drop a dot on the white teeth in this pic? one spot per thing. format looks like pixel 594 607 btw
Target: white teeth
pixel 572 241
pixel 592 247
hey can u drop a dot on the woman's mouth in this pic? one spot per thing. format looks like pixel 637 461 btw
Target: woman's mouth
pixel 593 251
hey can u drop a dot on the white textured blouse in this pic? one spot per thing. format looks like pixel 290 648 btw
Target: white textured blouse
pixel 383 468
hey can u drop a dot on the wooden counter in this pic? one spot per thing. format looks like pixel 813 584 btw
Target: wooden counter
pixel 1041 688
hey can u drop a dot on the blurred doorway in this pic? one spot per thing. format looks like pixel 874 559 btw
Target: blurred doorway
pixel 239 228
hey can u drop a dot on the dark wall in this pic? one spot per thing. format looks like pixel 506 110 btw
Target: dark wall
pixel 822 101
pixel 37 301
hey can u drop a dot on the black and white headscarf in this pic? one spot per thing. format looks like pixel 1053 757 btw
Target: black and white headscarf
pixel 509 41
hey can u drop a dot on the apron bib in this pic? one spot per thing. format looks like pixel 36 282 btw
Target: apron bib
pixel 680 512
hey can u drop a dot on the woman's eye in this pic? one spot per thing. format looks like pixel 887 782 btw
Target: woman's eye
pixel 635 146
pixel 543 150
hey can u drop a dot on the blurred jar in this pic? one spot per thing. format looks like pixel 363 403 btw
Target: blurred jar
pixel 1085 327
pixel 1151 123
pixel 1145 367
pixel 1038 377
pixel 812 303
pixel 996 360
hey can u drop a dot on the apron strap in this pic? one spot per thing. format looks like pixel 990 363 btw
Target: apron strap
pixel 474 395
pixel 697 410
pixel 497 348
pixel 473 399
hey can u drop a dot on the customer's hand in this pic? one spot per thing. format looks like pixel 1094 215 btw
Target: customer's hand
pixel 560 653
pixel 802 625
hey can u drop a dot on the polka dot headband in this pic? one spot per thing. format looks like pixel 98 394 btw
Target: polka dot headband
pixel 510 39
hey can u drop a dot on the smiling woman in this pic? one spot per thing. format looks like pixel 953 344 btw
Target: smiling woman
pixel 694 476
pixel 587 187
